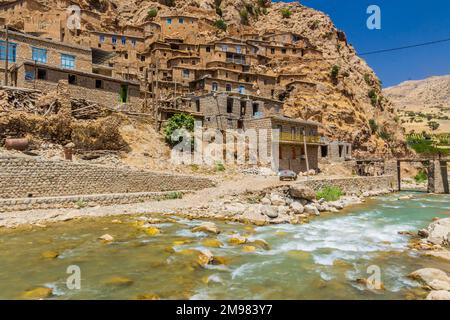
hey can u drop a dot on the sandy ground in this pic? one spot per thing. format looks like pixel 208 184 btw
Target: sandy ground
pixel 202 197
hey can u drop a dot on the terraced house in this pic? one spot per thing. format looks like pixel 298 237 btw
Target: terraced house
pixel 168 65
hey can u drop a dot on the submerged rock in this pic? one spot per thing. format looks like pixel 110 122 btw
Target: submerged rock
pixel 248 249
pixel 208 227
pixel 205 257
pixel 434 278
pixel 148 296
pixel 237 240
pixel 444 254
pixel 106 238
pixel 50 254
pixel 38 293
pixel 213 243
pixel 119 281
pixel 439 295
pixel 152 231
pixel 261 244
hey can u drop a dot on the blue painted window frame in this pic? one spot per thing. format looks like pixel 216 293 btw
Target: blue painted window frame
pixel 169 20
pixel 12 49
pixel 181 20
pixel 67 61
pixel 124 40
pixel 101 38
pixel 114 39
pixel 39 55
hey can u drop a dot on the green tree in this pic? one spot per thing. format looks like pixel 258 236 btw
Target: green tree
pixel 285 13
pixel 244 15
pixel 151 13
pixel 335 73
pixel 220 24
pixel 373 97
pixel 178 121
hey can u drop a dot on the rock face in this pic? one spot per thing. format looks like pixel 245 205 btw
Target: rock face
pixel 439 295
pixel 302 192
pixel 434 278
pixel 439 231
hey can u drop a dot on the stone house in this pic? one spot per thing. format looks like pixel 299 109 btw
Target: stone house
pixel 41 64
pixel 335 150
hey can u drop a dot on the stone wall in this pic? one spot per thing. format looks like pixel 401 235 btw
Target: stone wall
pixel 354 185
pixel 22 177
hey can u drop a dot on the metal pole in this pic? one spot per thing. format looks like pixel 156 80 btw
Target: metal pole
pixel 306 152
pixel 6 55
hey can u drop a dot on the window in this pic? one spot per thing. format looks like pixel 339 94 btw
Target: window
pixel 243 107
pixel 42 74
pixel 39 55
pixel 229 105
pixel 72 79
pixel 101 38
pixel 228 87
pixel 98 84
pixel 197 105
pixel 185 73
pixel 283 51
pixel 124 40
pixel 142 58
pixel 238 49
pixel 114 39
pixel 126 56
pixel 169 20
pixel 67 61
pixel 224 48
pixel 11 51
pixel 241 89
pixel 272 51
pixel 215 86
pixel 29 75
pixel 293 133
pixel 180 20
pixel 208 49
pixel 133 42
pixel 255 108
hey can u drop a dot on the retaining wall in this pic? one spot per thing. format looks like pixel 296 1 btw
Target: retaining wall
pixel 355 185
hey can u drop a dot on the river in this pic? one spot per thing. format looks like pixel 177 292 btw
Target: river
pixel 319 260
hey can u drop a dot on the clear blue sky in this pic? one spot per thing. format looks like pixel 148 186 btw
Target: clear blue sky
pixel 404 22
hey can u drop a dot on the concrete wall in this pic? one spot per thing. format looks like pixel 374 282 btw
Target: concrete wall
pixel 21 177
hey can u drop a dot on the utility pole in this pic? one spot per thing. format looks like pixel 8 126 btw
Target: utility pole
pixel 146 88
pixel 306 153
pixel 6 55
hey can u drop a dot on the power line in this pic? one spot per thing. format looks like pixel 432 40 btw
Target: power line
pixel 405 47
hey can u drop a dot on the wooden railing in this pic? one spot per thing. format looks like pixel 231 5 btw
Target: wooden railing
pixel 286 136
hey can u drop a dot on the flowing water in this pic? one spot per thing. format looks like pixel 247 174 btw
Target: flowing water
pixel 319 260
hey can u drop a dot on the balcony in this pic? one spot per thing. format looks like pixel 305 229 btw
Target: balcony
pixel 298 138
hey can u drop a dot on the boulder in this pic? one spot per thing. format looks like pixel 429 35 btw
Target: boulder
pixel 205 257
pixel 266 201
pixel 297 208
pixel 444 254
pixel 50 254
pixel 213 243
pixel 277 200
pixel 438 295
pixel 439 232
pixel 248 249
pixel 311 209
pixel 152 231
pixel 235 208
pixel 208 227
pixel 434 278
pixel 38 293
pixel 237 239
pixel 423 233
pixel 282 210
pixel 269 211
pixel 302 192
pixel 106 238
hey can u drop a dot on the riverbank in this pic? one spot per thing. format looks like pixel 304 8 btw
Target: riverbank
pixel 232 200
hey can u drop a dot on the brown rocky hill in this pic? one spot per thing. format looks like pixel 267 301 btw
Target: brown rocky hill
pixel 421 101
pixel 348 95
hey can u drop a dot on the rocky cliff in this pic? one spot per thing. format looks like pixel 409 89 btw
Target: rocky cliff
pixel 348 100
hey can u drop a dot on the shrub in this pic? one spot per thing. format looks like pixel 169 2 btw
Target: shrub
pixel 433 125
pixel 174 195
pixel 220 24
pixel 219 167
pixel 244 16
pixel 152 13
pixel 368 79
pixel 421 176
pixel 286 13
pixel 373 97
pixel 263 3
pixel 331 193
pixel 334 73
pixel 178 121
pixel 373 126
pixel 383 134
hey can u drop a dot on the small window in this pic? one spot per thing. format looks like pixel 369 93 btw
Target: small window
pixel 241 89
pixel 272 51
pixel 124 40
pixel 39 55
pixel 126 56
pixel 255 108
pixel 101 38
pixel 185 73
pixel 11 51
pixel 229 105
pixel 283 51
pixel 215 86
pixel 114 39
pixel 98 84
pixel 208 49
pixel 180 20
pixel 243 107
pixel 72 79
pixel 169 21
pixel 238 49
pixel 67 61
pixel 29 75
pixel 197 105
pixel 228 87
pixel 133 42
pixel 142 58
pixel 224 48
pixel 42 74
